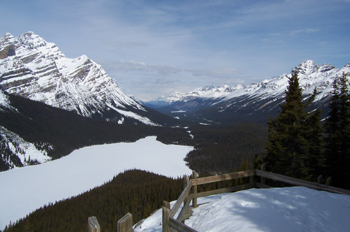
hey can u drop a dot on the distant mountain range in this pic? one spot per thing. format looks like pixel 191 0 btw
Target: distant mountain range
pixel 254 102
pixel 35 69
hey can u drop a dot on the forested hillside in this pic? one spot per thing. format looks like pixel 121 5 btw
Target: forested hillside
pixel 223 148
pixel 134 191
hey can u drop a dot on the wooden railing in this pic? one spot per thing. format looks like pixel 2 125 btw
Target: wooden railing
pixel 190 194
pixel 169 221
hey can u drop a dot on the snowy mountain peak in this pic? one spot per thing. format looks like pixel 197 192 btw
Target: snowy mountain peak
pixel 38 70
pixel 347 65
pixel 6 38
pixel 307 67
pixel 31 40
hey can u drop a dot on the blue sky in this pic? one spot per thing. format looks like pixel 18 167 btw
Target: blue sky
pixel 153 48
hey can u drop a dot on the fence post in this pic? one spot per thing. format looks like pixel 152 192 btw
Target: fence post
pixel 329 181
pixel 125 223
pixel 165 217
pixel 186 180
pixel 166 204
pixel 263 168
pixel 93 225
pixel 194 201
pixel 319 179
pixel 251 180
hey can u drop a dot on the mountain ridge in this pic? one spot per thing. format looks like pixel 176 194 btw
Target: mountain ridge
pixel 306 71
pixel 254 102
pixel 38 70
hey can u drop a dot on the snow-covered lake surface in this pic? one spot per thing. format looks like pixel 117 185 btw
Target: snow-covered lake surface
pixel 269 210
pixel 25 189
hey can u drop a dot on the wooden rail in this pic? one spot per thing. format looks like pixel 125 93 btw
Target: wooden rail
pixel 298 182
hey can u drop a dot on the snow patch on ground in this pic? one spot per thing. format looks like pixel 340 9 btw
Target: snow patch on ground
pixel 25 189
pixel 130 114
pixel 269 210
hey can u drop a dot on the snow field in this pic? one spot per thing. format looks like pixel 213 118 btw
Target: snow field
pixel 269 210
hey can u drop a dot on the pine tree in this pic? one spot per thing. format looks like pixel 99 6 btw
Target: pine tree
pixel 314 132
pixel 337 129
pixel 294 135
pixel 28 226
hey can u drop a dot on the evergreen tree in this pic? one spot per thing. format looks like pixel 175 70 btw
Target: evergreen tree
pixel 294 136
pixel 314 132
pixel 337 129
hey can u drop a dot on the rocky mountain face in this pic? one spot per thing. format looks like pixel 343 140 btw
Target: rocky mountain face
pixel 38 70
pixel 254 102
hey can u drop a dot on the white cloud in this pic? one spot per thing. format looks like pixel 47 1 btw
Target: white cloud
pixel 296 32
pixel 218 72
pixel 132 66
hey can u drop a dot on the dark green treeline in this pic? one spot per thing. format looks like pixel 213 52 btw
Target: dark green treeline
pixel 134 191
pixel 223 148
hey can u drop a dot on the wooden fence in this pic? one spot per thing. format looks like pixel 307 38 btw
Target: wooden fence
pixel 169 222
pixel 190 194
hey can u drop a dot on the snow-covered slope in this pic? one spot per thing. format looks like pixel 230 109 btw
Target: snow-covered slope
pixel 38 70
pixel 266 210
pixel 259 100
pixel 26 189
pixel 16 152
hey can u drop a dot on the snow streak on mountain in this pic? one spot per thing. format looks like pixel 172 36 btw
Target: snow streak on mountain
pixel 38 70
pixel 4 102
pixel 15 151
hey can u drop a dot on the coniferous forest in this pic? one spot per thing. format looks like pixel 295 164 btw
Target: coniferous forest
pixel 299 145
